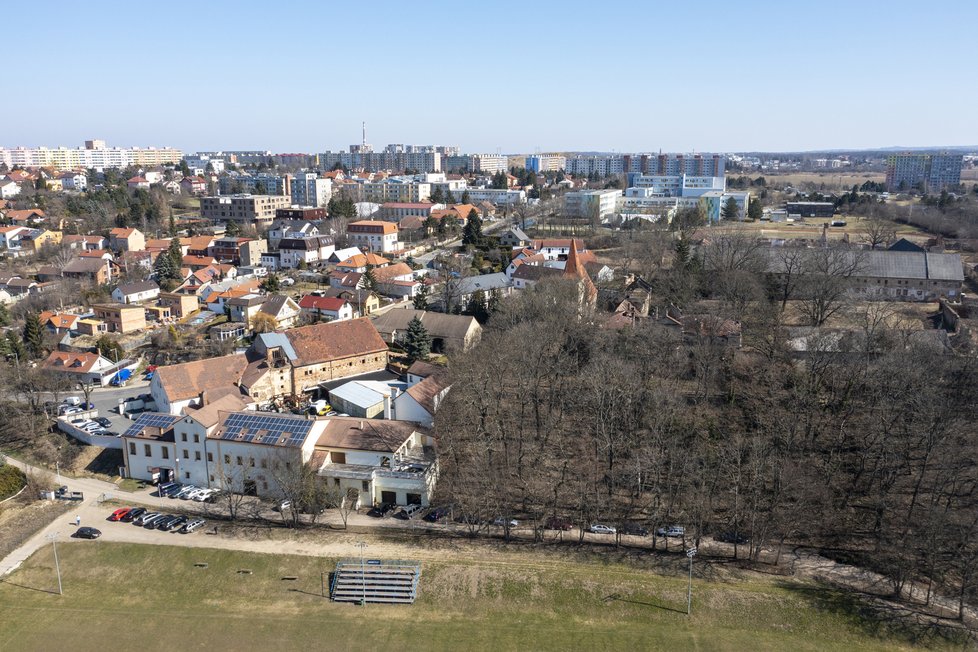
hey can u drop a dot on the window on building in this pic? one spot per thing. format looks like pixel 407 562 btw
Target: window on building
pixel 186 454
pixel 165 452
pixel 264 464
pixel 227 459
pixel 336 482
pixel 210 457
pixel 365 485
pixel 183 436
pixel 239 460
pixel 186 475
pixel 146 450
pixel 251 462
pixel 288 466
pixel 196 439
pixel 196 456
pixel 132 448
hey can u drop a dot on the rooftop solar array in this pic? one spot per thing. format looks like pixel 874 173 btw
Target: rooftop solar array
pixel 150 420
pixel 260 428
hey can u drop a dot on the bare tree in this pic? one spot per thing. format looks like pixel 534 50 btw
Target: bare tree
pixel 877 232
pixel 824 281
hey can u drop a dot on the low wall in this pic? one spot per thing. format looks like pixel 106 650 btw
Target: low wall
pixel 88 438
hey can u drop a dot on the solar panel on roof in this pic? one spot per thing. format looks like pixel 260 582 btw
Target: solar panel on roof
pixel 150 420
pixel 265 428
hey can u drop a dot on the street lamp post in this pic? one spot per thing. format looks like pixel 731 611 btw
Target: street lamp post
pixel 689 588
pixel 363 574
pixel 53 539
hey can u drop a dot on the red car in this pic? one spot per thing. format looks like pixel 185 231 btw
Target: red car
pixel 119 513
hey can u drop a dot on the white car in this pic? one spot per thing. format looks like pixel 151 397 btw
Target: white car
pixel 203 494
pixel 671 531
pixel 599 528
pixel 184 492
pixel 68 409
pixel 73 401
pixel 89 426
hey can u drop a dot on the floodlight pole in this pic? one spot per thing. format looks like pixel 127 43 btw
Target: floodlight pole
pixel 363 574
pixel 57 566
pixel 689 587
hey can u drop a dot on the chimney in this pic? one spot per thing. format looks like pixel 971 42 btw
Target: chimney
pixel 361 425
pixel 387 406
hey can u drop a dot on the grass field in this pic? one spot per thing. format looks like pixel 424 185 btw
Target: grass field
pixel 145 597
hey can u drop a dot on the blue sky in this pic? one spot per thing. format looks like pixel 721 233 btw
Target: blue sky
pixel 488 76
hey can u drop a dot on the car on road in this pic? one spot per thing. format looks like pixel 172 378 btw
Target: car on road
pixel 558 523
pixel 119 514
pixel 634 530
pixel 732 536
pixel 601 528
pixel 87 533
pixel 102 421
pixel 381 510
pixel 190 526
pixel 65 410
pixel 133 514
pixel 671 531
pixel 499 521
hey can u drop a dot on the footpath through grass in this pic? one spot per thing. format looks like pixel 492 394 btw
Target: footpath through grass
pixel 124 596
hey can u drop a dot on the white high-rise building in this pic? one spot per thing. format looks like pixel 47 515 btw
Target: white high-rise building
pixel 308 189
pixel 94 155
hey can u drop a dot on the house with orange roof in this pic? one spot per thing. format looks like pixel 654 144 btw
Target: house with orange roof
pixel 58 323
pixel 84 242
pixel 373 235
pixel 360 262
pixel 138 183
pixel 25 217
pixel 85 367
pixel 127 239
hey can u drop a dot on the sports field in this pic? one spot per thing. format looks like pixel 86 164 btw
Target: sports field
pixel 126 596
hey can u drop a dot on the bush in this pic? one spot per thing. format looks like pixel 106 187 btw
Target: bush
pixel 12 480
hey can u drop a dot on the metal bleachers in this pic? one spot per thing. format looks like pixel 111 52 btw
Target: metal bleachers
pixel 375 580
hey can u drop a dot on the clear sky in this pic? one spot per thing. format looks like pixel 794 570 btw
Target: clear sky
pixel 487 76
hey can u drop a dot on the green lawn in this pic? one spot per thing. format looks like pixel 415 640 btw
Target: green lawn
pixel 121 596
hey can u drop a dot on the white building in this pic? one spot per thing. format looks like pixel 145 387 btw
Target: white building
pixel 94 155
pixel 497 196
pixel 8 189
pixel 374 235
pixel 591 204
pixel 308 189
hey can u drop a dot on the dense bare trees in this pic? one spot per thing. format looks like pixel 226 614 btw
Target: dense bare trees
pixel 866 446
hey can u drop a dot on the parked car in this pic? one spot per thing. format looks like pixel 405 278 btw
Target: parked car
pixel 119 514
pixel 87 533
pixel 499 521
pixel 133 514
pixel 145 516
pixel 190 526
pixel 381 510
pixel 283 506
pixel 634 530
pixel 600 528
pixel 172 489
pixel 175 524
pixel 184 491
pixel 150 522
pixel 671 531
pixel 437 514
pixel 89 426
pixel 102 421
pixel 558 523
pixel 72 400
pixel 65 410
pixel 732 536
pixel 164 523
pixel 407 512
pixel 203 495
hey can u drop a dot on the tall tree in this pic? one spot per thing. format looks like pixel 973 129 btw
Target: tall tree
pixel 417 341
pixel 33 335
pixel 755 210
pixel 420 300
pixel 730 210
pixel 231 228
pixel 472 232
pixel 466 198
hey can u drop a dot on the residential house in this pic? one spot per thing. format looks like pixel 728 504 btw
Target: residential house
pixel 420 401
pixel 360 262
pixel 122 318
pixel 515 237
pixel 26 217
pixel 283 309
pixel 11 240
pixel 127 239
pixel 194 186
pixel 309 250
pixel 58 323
pixel 96 270
pixel 87 368
pixel 243 309
pixel 376 236
pixel 136 292
pixel 74 181
pixel 85 242
pixel 497 284
pixel 138 183
pixel 448 332
pixel 326 308
pixel 289 228
pixel 180 305
pixel 36 239
pixel 364 302
pixel 276 365
pixel 9 189
pixel 340 255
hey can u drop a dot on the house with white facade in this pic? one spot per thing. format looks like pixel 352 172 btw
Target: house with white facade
pixel 326 308
pixel 136 292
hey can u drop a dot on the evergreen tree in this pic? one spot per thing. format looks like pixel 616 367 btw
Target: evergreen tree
pixel 417 342
pixel 109 348
pixel 754 210
pixel 166 273
pixel 730 210
pixel 477 307
pixel 271 283
pixel 172 224
pixel 175 252
pixel 369 280
pixel 436 197
pixel 492 304
pixel 16 346
pixel 421 298
pixel 472 233
pixel 184 168
pixel 33 335
pixel 466 198
pixel 231 228
pixel 449 197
